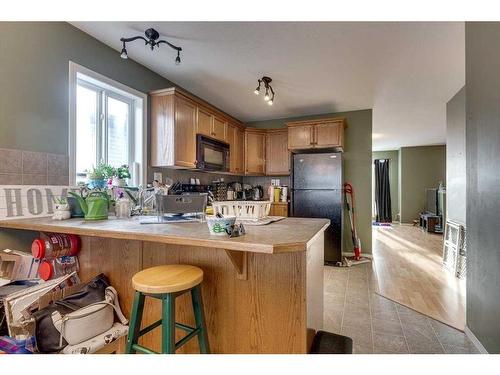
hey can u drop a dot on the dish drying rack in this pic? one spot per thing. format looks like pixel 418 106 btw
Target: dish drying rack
pixel 245 211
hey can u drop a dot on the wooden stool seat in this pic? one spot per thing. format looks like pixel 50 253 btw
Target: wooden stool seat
pixel 167 279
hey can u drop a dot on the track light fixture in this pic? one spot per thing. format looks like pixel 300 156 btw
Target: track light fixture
pixel 269 95
pixel 152 40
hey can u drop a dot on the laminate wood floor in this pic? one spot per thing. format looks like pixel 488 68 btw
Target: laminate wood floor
pixel 407 264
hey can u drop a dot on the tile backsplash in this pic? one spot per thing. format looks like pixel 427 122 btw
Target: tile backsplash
pixel 20 167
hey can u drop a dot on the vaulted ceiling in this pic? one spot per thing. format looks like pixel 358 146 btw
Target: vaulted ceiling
pixel 405 72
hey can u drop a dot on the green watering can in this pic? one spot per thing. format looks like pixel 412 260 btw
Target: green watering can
pixel 95 206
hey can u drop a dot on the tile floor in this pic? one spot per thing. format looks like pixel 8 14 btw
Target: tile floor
pixel 378 325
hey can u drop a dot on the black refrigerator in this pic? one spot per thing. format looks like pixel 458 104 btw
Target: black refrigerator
pixel 317 193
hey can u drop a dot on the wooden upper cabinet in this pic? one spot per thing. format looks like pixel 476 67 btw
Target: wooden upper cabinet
pixel 277 154
pixel 239 142
pixel 219 129
pixel 255 142
pixel 231 139
pixel 173 131
pixel 324 133
pixel 235 138
pixel 176 118
pixel 204 122
pixel 328 134
pixel 185 133
pixel 300 136
pixel 211 125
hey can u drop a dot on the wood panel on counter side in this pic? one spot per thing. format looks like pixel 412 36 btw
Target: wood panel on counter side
pixel 242 316
pixel 266 313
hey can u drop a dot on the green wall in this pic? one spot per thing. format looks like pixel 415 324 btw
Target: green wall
pixel 34 70
pixel 393 157
pixel 420 168
pixel 357 167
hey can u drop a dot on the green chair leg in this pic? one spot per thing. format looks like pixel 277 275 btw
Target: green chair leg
pixel 168 324
pixel 135 322
pixel 199 318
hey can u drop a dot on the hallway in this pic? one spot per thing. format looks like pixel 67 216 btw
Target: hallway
pixel 408 267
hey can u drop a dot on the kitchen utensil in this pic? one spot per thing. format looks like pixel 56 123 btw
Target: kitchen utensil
pixel 257 193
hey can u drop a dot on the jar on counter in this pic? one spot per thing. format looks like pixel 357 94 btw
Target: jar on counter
pixel 230 193
pixel 55 245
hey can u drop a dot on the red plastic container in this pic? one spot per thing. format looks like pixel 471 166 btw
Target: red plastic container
pixel 55 245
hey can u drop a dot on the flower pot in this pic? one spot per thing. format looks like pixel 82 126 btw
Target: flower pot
pixel 97 183
pixel 119 182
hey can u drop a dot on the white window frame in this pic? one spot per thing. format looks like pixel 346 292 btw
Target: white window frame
pixel 138 138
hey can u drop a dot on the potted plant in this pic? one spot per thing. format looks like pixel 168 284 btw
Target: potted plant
pixel 98 176
pixel 62 210
pixel 122 173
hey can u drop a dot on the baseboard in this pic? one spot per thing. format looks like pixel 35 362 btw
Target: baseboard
pixel 475 341
pixel 350 254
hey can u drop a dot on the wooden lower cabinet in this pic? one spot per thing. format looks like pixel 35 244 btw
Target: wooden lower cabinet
pixel 255 151
pixel 279 209
pixel 277 154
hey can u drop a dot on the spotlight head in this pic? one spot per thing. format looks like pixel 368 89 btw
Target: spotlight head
pixel 257 91
pixel 123 54
pixel 267 98
pixel 270 102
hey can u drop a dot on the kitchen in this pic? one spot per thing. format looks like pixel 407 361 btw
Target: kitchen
pixel 282 259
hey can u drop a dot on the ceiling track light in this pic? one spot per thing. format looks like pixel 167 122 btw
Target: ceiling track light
pixel 152 40
pixel 269 96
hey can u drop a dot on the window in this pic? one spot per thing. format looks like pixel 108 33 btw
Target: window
pixel 106 124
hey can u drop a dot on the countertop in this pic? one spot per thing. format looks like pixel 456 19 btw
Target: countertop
pixel 288 235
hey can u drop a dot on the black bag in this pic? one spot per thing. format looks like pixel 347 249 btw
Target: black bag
pixel 47 336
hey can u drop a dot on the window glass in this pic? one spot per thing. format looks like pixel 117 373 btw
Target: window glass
pixel 86 129
pixel 118 115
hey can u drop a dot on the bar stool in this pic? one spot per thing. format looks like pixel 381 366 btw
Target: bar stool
pixel 166 283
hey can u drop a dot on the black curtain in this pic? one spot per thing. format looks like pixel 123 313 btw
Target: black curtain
pixel 382 191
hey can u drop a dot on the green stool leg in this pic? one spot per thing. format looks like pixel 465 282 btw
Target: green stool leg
pixel 168 324
pixel 135 322
pixel 199 318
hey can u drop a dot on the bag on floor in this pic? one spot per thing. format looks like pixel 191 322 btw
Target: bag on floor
pixel 48 338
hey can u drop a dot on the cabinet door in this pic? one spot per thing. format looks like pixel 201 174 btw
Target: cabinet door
pixel 231 139
pixel 204 122
pixel 327 135
pixel 185 133
pixel 277 154
pixel 219 129
pixel 254 153
pixel 300 137
pixel 240 151
pixel 162 140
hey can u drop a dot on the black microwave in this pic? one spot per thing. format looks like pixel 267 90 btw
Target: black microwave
pixel 211 154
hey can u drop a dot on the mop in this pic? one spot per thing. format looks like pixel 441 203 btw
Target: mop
pixel 356 242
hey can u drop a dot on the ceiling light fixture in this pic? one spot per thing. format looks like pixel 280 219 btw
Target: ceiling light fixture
pixel 269 96
pixel 151 39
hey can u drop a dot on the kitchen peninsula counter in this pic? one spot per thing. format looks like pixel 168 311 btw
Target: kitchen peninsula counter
pixel 263 292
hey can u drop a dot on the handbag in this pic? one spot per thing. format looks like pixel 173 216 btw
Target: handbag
pixel 48 338
pixel 90 321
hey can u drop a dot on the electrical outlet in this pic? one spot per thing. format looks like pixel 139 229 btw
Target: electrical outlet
pixel 158 177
